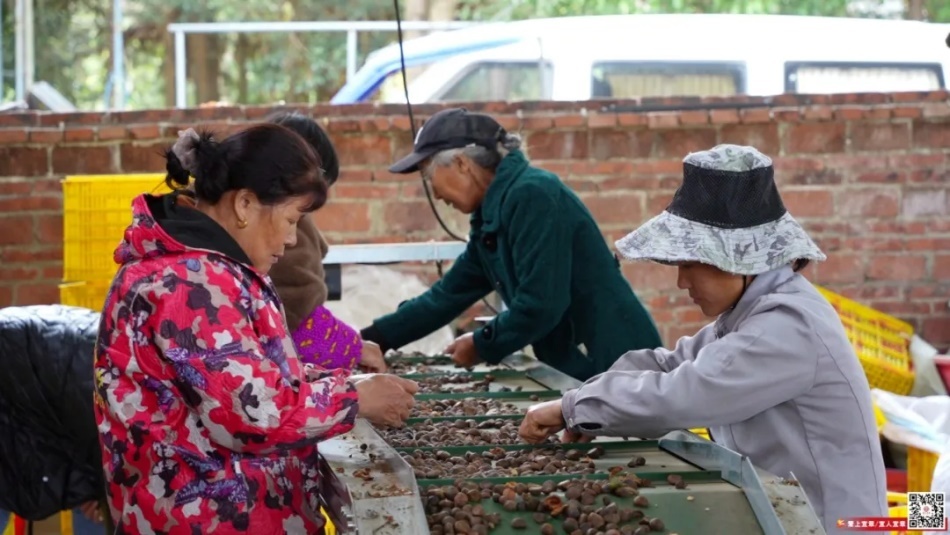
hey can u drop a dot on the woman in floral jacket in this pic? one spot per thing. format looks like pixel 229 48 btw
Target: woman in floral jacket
pixel 208 422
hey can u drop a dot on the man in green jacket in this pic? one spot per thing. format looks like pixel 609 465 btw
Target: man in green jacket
pixel 534 242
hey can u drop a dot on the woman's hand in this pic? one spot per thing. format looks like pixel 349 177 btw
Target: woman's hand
pixel 463 351
pixel 372 360
pixel 91 511
pixel 385 400
pixel 541 421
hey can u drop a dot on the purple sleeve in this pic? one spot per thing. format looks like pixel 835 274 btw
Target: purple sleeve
pixel 323 340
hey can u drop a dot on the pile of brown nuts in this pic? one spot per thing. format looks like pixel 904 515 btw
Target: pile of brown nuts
pixel 497 462
pixel 462 407
pixel 574 504
pixel 455 433
pixel 443 384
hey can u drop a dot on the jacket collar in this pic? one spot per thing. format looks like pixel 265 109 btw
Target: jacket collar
pixel 764 284
pixel 511 167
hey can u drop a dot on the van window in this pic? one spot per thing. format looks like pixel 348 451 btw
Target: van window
pixel 391 88
pixel 819 77
pixel 523 80
pixel 628 79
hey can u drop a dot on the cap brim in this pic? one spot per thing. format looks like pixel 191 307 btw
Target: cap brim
pixel 409 164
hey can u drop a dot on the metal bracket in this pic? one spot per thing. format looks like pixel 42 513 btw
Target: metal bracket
pixel 736 469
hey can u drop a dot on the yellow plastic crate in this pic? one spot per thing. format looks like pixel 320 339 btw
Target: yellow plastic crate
pixel 881 341
pixel 96 211
pixel 920 469
pixel 88 294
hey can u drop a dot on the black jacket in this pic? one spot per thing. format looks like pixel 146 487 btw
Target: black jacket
pixel 49 444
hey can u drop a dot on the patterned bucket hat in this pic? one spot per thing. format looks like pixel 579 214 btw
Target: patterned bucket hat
pixel 727 213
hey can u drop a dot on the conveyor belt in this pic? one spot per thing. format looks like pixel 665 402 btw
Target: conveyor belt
pixel 723 494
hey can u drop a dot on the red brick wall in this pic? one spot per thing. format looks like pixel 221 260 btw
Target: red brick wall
pixel 868 176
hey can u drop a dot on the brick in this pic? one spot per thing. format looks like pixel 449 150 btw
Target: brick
pixel 18 119
pixel 902 267
pixel 606 144
pixel 570 121
pixel 135 158
pixel 932 134
pixel 818 113
pixel 872 202
pixel 761 136
pixel 649 277
pixel 6 296
pixel 814 138
pixel 880 136
pixel 941 267
pixel 145 131
pixel 809 202
pixel 678 143
pixel 558 145
pixel 937 331
pixel 409 216
pixel 536 122
pixel 30 203
pixel 71 135
pixel 16 187
pixel 37 294
pixel 882 177
pixel 663 119
pixel 68 160
pixel 694 117
pixel 924 203
pixel 823 177
pixel 18 273
pixel 602 120
pixel 41 254
pixel 49 228
pixel 23 161
pixel 850 113
pixel 365 149
pixel 364 190
pixel 620 208
pixel 755 115
pixel 13 135
pixel 840 268
pixel 723 116
pixel 657 201
pixel 343 217
pixel 632 119
pixel 17 229
pixel 46 135
pixel 112 132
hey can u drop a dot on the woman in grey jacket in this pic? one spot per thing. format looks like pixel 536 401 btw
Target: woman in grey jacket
pixel 774 377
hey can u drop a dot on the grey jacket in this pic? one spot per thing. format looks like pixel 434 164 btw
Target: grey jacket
pixel 775 379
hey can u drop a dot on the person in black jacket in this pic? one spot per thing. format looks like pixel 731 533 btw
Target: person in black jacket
pixel 50 459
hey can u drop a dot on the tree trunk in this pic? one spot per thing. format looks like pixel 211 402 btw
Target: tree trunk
pixel 204 65
pixel 240 57
pixel 168 65
pixel 442 10
pixel 915 10
pixel 414 10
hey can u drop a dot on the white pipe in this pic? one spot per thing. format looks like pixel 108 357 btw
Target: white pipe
pixel 351 45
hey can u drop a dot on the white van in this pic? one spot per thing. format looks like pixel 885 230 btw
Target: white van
pixel 625 56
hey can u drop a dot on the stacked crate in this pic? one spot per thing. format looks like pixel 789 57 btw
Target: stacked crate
pixel 96 211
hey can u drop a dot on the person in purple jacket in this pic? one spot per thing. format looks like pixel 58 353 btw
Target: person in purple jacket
pixel 321 338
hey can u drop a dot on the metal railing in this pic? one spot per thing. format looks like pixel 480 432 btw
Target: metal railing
pixel 351 28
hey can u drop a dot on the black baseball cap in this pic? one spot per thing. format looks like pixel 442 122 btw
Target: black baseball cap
pixel 452 128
